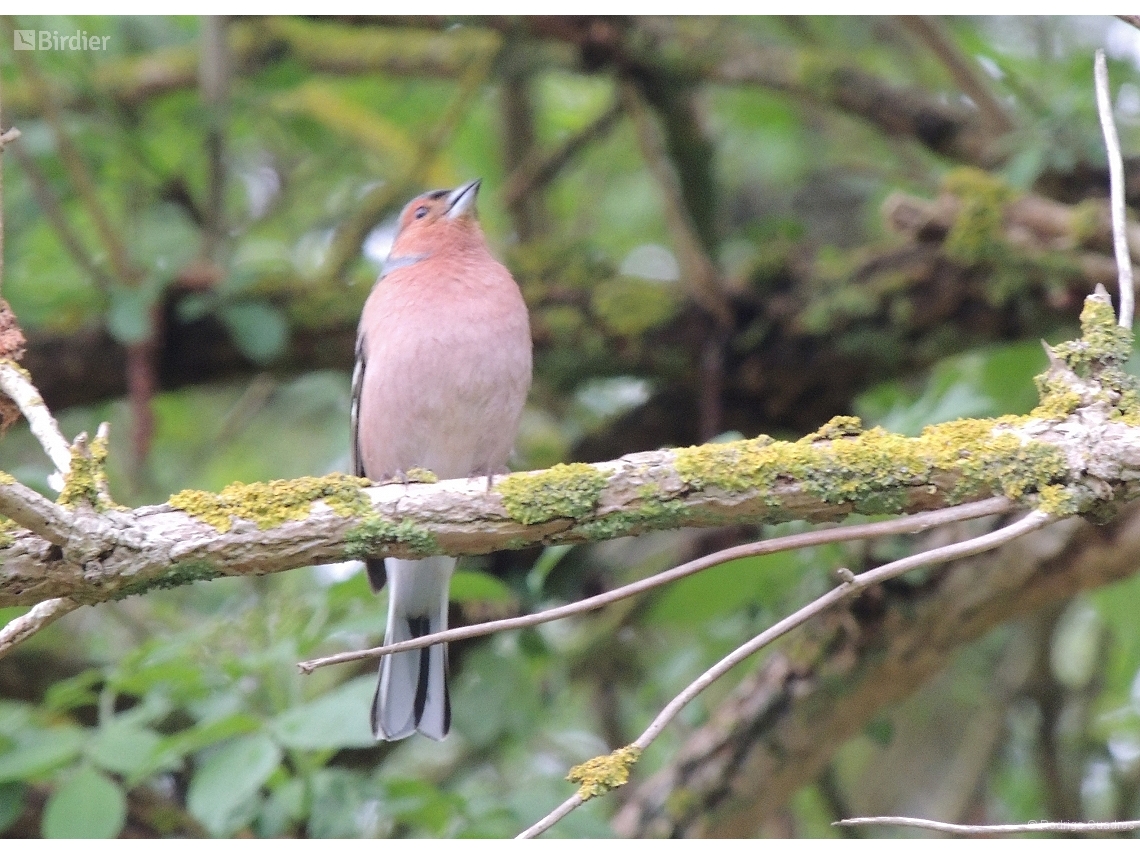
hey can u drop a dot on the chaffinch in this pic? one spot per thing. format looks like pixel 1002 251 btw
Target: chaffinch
pixel 443 365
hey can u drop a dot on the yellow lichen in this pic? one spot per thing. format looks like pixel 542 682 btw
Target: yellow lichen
pixel 599 775
pixel 269 504
pixel 568 490
pixel 874 470
pixel 85 476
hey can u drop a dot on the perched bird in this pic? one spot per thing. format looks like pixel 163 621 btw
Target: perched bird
pixel 443 365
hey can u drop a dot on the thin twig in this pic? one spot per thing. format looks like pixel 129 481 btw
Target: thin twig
pixel 702 278
pixel 27 508
pixel 902 525
pixel 1116 190
pixel 76 167
pixel 1019 828
pixel 851 585
pixel 1034 520
pixel 49 204
pixel 15 384
pixel 538 170
pixel 962 68
pixel 39 616
pixel 375 204
pixel 553 817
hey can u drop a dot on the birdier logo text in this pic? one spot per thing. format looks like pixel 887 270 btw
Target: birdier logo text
pixel 54 40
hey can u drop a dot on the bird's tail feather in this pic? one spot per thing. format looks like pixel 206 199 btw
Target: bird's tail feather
pixel 412 693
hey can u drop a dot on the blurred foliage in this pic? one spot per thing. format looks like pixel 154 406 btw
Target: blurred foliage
pixel 183 713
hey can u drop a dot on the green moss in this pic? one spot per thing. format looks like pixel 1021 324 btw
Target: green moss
pixel 5 478
pixel 417 475
pixel 656 514
pixel 977 234
pixel 1086 221
pixel 182 573
pixel 599 775
pixel 373 535
pixel 566 490
pixel 630 306
pixel 272 503
pixel 874 470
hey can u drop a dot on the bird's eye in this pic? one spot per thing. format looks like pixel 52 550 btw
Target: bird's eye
pixel 421 212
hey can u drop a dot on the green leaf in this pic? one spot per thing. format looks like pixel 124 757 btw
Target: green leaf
pixel 471 586
pixel 259 330
pixel 698 599
pixel 129 314
pixel 340 719
pixel 223 785
pixel 89 805
pixel 285 805
pixel 169 753
pixel 74 692
pixel 346 804
pixel 124 747
pixel 41 753
pixel 165 240
pixel 11 803
pixel 15 717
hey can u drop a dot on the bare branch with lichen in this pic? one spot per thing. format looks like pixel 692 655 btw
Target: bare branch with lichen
pixel 851 585
pixel 1075 451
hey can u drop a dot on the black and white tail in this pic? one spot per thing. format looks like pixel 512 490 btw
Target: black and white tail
pixel 412 692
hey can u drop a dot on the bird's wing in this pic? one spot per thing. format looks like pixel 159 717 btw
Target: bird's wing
pixel 357 389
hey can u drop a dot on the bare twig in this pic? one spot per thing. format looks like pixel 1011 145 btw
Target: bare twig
pixel 76 168
pixel 962 68
pixel 850 586
pixel 378 202
pixel 1032 521
pixel 39 616
pixel 49 204
pixel 15 384
pixel 1019 828
pixel 29 509
pixel 214 70
pixel 538 170
pixel 702 278
pixel 1116 190
pixel 902 525
pixel 552 818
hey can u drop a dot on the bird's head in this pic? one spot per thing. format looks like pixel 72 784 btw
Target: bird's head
pixel 441 219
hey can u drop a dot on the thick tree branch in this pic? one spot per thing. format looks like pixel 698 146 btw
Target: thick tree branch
pixel 1071 462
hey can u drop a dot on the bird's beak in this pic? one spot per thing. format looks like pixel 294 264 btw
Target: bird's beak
pixel 462 199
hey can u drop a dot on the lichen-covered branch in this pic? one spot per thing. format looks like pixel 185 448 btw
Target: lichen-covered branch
pixel 1078 451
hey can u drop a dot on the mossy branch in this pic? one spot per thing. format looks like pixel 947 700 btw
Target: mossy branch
pixel 1075 454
